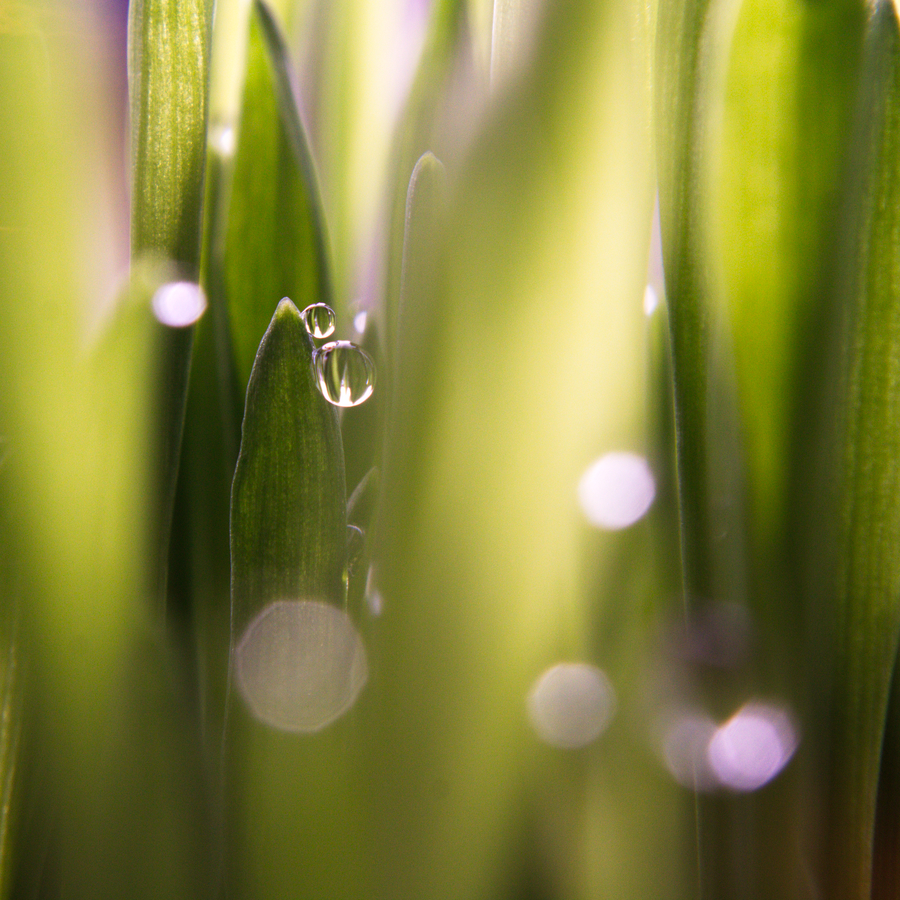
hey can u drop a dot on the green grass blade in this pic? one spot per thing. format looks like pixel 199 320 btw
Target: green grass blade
pixel 868 588
pixel 168 71
pixel 777 158
pixel 168 86
pixel 521 358
pixel 11 713
pixel 275 242
pixel 420 131
pixel 263 240
pixel 761 95
pixel 682 77
pixel 288 508
pixel 288 543
pixel 110 769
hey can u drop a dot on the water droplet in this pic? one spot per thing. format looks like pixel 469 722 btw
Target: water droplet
pixel 300 665
pixel 571 704
pixel 345 372
pixel 752 747
pixel 179 303
pixel 616 490
pixel 319 320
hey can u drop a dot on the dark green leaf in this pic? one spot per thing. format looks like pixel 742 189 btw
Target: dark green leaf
pixel 275 242
pixel 288 506
pixel 868 589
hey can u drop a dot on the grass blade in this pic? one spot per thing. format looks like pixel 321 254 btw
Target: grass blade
pixel 288 508
pixel 868 587
pixel 289 551
pixel 275 242
pixel 512 335
pixel 168 85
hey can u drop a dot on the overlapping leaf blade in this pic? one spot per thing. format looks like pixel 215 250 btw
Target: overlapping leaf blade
pixel 519 361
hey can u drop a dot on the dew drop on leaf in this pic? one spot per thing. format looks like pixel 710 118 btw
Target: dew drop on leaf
pixel 318 320
pixel 345 372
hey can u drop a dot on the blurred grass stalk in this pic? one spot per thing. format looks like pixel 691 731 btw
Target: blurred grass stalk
pixel 492 215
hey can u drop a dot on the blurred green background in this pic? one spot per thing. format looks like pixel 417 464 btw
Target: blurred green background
pixel 596 595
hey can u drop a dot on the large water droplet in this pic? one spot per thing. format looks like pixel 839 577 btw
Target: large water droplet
pixel 571 704
pixel 179 303
pixel 319 320
pixel 345 372
pixel 300 665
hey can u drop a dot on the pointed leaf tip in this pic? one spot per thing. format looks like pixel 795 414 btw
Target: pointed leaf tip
pixel 288 506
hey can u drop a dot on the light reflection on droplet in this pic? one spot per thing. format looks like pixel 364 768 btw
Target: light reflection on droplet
pixel 356 544
pixel 179 303
pixel 359 321
pixel 374 600
pixel 571 704
pixel 345 372
pixel 685 744
pixel 318 319
pixel 356 540
pixel 752 747
pixel 617 490
pixel 222 139
pixel 651 300
pixel 300 664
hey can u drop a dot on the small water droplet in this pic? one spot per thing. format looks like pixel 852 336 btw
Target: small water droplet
pixel 345 372
pixel 179 303
pixel 319 320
